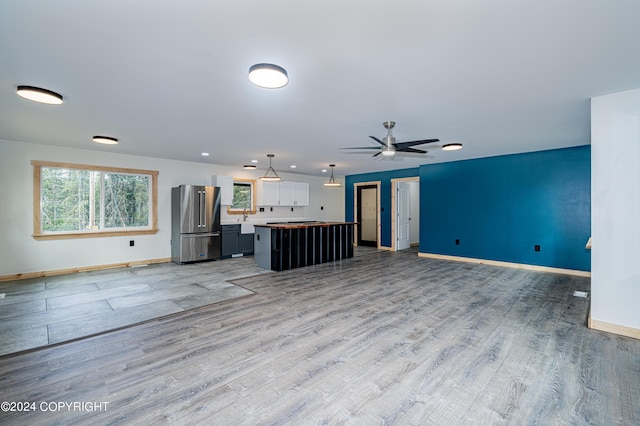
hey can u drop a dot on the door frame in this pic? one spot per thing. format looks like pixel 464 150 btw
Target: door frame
pixel 394 207
pixel 355 209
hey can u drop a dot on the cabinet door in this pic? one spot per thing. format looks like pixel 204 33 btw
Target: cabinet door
pixel 287 194
pixel 246 243
pixel 301 194
pixel 230 240
pixel 268 193
pixel 226 188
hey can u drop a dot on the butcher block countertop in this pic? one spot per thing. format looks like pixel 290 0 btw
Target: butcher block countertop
pixel 299 225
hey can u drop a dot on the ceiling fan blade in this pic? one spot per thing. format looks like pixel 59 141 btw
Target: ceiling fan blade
pixel 363 147
pixel 378 140
pixel 401 145
pixel 417 151
pixel 376 154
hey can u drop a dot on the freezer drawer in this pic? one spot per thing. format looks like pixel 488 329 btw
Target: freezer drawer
pixel 196 247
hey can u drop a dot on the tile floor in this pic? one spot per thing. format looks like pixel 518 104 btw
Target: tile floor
pixel 49 310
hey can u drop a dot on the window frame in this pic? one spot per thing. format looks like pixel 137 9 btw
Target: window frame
pixel 38 234
pixel 252 208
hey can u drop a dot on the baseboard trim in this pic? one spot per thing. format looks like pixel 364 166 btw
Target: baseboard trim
pixel 608 327
pixel 41 274
pixel 508 264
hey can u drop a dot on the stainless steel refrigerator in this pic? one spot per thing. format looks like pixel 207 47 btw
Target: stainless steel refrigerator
pixel 195 223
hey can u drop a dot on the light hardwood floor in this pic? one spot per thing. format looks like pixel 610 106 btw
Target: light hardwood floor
pixel 384 338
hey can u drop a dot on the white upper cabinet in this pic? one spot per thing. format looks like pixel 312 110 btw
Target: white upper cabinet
pixel 226 188
pixel 268 193
pixel 300 194
pixel 294 194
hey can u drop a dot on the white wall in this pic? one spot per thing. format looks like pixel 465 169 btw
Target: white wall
pixel 615 209
pixel 20 253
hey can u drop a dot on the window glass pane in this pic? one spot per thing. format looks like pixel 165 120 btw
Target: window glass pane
pixel 241 196
pixel 126 200
pixel 66 199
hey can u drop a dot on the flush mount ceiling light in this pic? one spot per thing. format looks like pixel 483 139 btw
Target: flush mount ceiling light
pixel 332 180
pixel 107 140
pixel 452 146
pixel 270 175
pixel 268 76
pixel 37 94
pixel 249 166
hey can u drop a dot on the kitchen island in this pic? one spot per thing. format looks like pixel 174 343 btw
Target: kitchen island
pixel 282 246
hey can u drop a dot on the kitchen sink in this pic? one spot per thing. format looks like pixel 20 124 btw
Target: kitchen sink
pixel 247 228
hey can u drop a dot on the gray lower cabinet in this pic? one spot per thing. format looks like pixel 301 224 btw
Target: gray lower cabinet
pixel 235 242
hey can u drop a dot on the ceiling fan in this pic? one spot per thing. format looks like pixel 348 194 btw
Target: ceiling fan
pixel 389 146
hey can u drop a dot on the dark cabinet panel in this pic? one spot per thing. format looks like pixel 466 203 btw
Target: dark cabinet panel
pixel 235 242
pixel 246 243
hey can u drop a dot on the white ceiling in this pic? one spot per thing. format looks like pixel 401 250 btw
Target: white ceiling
pixel 169 78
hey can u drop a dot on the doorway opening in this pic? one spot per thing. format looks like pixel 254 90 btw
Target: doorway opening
pixel 367 217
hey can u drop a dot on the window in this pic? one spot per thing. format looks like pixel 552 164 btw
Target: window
pixel 78 201
pixel 244 197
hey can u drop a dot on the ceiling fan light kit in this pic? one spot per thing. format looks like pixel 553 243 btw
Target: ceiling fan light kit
pixel 270 175
pixel 268 76
pixel 332 180
pixel 38 94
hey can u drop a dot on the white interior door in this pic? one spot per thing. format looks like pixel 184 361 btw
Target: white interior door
pixel 403 219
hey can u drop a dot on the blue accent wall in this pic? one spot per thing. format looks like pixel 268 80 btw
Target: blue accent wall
pixel 500 208
pixel 385 197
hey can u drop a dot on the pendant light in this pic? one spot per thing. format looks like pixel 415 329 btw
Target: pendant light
pixel 332 180
pixel 270 175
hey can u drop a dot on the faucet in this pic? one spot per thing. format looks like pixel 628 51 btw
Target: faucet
pixel 244 214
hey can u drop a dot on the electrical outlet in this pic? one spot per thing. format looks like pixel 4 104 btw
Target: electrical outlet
pixel 261 209
pixel 457 242
pixel 131 243
pixel 536 247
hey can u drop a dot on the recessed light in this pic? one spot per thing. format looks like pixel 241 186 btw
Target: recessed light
pixel 324 170
pixel 293 166
pixel 452 146
pixel 38 94
pixel 268 76
pixel 254 161
pixel 249 166
pixel 205 154
pixel 106 140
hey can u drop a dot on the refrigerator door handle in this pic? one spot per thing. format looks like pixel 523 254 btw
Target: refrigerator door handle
pixel 200 204
pixel 203 209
